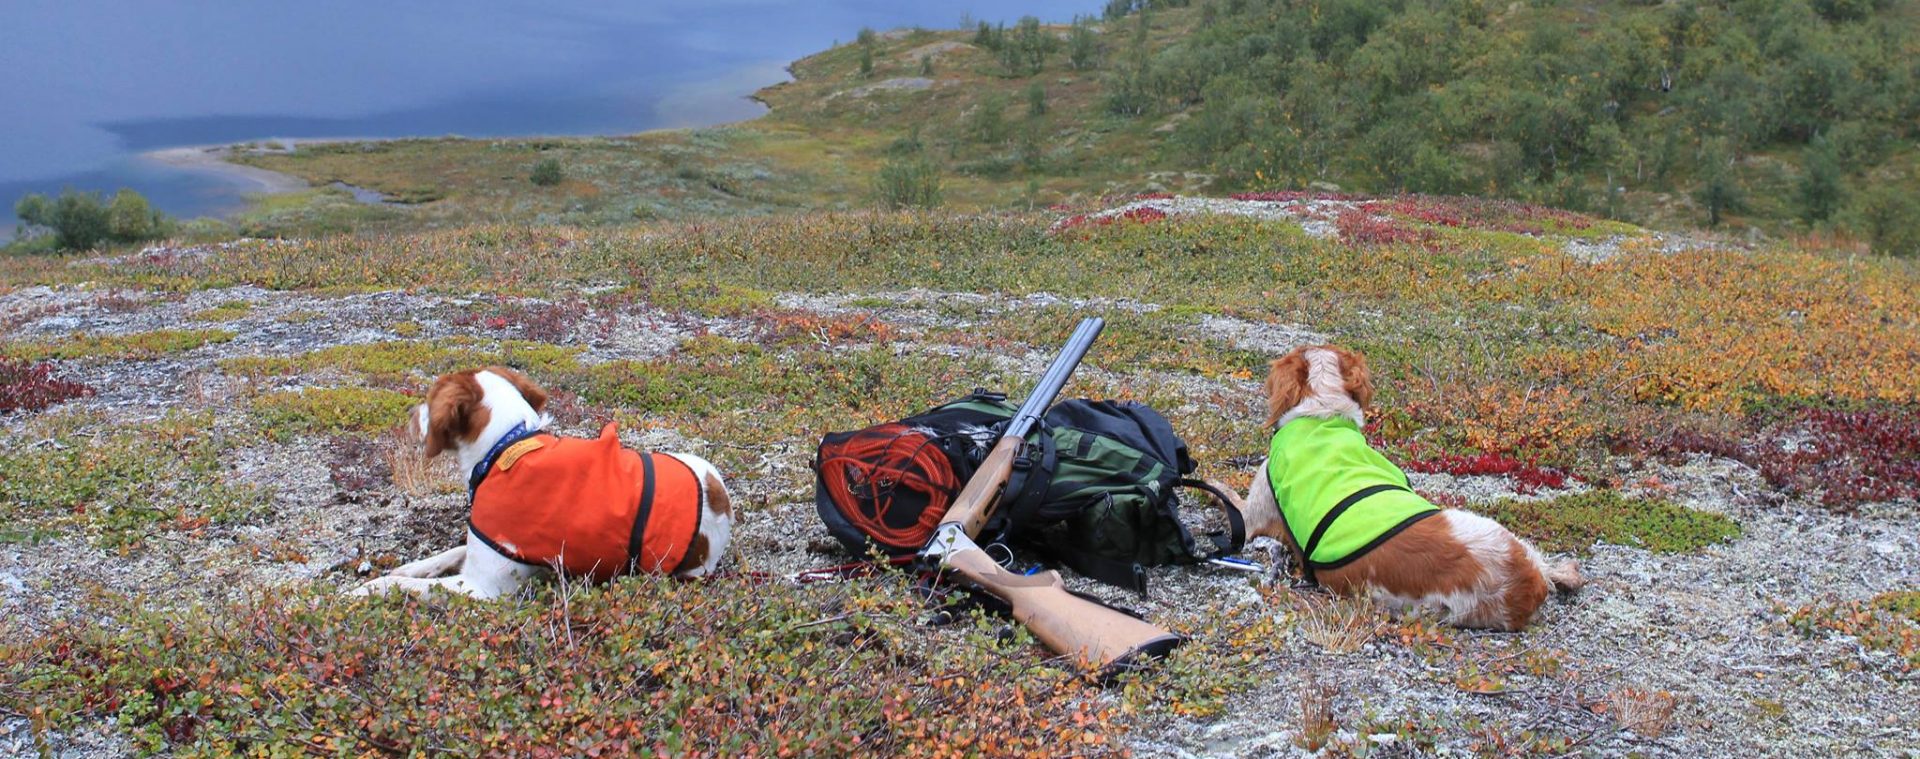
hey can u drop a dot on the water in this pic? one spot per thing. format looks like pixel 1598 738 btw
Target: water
pixel 87 86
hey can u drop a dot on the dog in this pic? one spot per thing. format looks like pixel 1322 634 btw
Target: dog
pixel 1353 523
pixel 539 502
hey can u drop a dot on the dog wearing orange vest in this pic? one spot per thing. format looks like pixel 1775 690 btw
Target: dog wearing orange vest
pixel 541 502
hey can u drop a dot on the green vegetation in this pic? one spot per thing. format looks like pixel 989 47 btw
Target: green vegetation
pixel 1575 522
pixel 339 409
pixel 1550 102
pixel 406 362
pixel 137 346
pixel 82 220
pixel 1788 116
pixel 547 173
pixel 121 487
pixel 223 312
pixel 908 182
pixel 1888 622
pixel 645 665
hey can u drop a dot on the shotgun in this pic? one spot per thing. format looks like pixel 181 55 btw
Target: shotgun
pixel 1105 640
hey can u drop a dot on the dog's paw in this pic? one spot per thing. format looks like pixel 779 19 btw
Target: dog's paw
pixel 372 587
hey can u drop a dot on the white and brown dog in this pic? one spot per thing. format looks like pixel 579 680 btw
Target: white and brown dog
pixel 587 507
pixel 1354 524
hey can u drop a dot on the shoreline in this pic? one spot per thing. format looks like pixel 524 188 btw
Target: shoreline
pixel 212 159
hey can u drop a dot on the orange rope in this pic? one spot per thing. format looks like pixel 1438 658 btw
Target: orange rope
pixel 877 455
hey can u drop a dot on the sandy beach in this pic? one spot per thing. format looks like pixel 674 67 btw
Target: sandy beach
pixel 212 159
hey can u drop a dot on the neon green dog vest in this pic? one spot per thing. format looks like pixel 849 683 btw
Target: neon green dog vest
pixel 1338 496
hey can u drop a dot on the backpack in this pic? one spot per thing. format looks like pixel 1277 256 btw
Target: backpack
pixel 1097 490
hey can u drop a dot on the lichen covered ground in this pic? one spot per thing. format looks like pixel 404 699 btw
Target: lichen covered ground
pixel 1717 432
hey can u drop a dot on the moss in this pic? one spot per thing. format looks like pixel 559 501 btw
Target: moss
pixel 119 488
pixel 411 361
pixel 138 345
pixel 341 409
pixel 709 297
pixel 1575 522
pixel 224 312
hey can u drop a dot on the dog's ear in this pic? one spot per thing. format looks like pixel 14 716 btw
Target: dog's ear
pixel 1565 576
pixel 452 406
pixel 1286 384
pixel 536 395
pixel 1359 381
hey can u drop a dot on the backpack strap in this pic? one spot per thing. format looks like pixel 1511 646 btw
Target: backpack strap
pixel 1035 477
pixel 1131 575
pixel 1235 538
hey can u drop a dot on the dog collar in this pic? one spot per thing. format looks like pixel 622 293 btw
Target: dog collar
pixel 515 435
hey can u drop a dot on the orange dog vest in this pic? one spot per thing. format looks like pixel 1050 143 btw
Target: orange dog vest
pixel 592 507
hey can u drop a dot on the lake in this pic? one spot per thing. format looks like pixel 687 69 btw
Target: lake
pixel 90 85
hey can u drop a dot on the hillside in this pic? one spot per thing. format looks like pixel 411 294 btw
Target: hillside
pixel 1725 436
pixel 1782 117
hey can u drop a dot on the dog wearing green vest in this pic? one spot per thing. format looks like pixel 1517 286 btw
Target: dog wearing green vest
pixel 1353 522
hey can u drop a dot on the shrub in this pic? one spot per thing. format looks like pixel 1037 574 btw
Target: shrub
pixel 1575 522
pixel 547 173
pixel 987 123
pixel 30 387
pixel 120 487
pixel 1888 623
pixel 78 221
pixel 908 183
pixel 131 219
pixel 1720 192
pixel 1889 216
pixel 1024 51
pixel 82 221
pixel 646 666
pixel 1036 100
pixel 1846 457
pixel 1083 45
pixel 1822 186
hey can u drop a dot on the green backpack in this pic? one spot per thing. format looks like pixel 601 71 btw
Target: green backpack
pixel 1098 490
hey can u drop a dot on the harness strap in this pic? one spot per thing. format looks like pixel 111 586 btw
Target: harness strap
pixel 640 517
pixel 1326 522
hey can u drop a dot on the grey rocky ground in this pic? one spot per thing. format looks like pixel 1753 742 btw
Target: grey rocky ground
pixel 1706 627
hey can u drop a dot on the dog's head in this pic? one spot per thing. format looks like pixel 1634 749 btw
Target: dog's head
pixel 462 406
pixel 1318 380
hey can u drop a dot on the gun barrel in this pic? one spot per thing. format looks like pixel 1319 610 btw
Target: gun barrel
pixel 1056 377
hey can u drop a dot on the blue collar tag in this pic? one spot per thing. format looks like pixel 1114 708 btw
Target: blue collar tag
pixel 515 435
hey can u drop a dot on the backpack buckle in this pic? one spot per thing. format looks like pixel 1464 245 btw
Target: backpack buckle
pixel 987 395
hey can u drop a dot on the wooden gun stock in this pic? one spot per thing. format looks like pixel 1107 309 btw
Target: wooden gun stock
pixel 1106 640
pixel 1102 639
